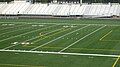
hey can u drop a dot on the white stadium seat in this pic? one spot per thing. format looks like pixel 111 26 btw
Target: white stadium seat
pixel 15 8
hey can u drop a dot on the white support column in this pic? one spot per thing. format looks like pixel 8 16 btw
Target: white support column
pixel 54 1
pixel 80 2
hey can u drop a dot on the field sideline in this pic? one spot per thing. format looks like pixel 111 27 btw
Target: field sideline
pixel 56 42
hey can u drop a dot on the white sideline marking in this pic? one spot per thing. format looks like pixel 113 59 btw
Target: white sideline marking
pixel 82 38
pixel 59 38
pixel 21 35
pixel 60 53
pixel 24 34
pixel 63 23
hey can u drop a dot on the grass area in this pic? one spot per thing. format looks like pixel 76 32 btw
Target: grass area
pixel 89 36
pixel 48 60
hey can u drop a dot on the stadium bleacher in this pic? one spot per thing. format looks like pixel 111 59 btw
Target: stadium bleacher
pixel 65 9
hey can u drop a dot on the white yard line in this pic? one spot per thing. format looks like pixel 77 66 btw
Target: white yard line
pixel 30 39
pixel 11 27
pixel 10 46
pixel 15 30
pixel 44 34
pixel 59 38
pixel 64 23
pixel 23 34
pixel 62 53
pixel 82 38
pixel 106 35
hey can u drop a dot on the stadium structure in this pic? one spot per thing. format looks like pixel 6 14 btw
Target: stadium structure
pixel 59 33
pixel 59 8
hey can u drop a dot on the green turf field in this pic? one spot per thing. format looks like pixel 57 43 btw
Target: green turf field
pixel 59 43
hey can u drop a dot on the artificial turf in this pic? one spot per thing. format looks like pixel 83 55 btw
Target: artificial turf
pixel 93 36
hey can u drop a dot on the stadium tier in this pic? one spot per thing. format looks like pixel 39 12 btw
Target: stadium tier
pixel 64 9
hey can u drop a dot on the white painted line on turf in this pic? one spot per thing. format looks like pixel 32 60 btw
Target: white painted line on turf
pixel 24 34
pixel 31 39
pixel 59 38
pixel 106 35
pixel 66 23
pixel 82 38
pixel 43 34
pixel 114 65
pixel 60 53
pixel 11 27
pixel 81 24
pixel 14 31
pixel 10 46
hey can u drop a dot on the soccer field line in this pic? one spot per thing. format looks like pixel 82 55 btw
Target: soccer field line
pixel 44 34
pixel 60 53
pixel 23 34
pixel 116 61
pixel 81 38
pixel 105 35
pixel 51 35
pixel 64 23
pixel 59 37
pixel 16 30
pixel 47 36
pixel 11 27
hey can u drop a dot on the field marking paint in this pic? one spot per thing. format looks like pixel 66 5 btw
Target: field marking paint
pixel 116 61
pixel 58 38
pixel 106 35
pixel 51 35
pixel 101 39
pixel 15 30
pixel 60 53
pixel 21 35
pixel 82 38
pixel 20 65
pixel 24 34
pixel 63 23
pixel 43 35
pixel 11 27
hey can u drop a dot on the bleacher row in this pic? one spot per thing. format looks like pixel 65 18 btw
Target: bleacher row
pixel 26 8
